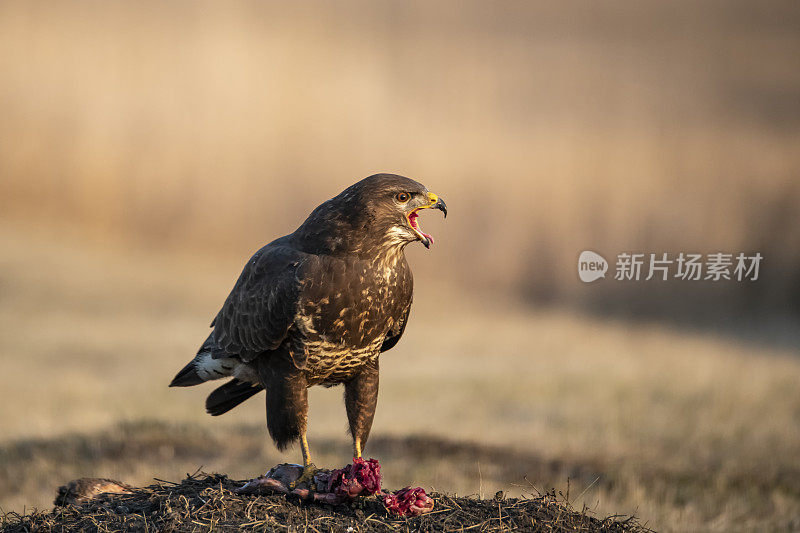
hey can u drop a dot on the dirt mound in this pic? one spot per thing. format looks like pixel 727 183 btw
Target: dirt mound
pixel 207 502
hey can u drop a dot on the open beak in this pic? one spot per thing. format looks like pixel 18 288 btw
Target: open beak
pixel 435 203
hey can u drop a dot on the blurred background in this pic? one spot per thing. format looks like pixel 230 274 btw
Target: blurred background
pixel 148 148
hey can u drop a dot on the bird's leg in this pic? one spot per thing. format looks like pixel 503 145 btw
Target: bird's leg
pixel 360 399
pixel 309 469
pixel 287 407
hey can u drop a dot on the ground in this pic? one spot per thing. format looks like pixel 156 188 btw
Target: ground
pixel 687 430
pixel 205 501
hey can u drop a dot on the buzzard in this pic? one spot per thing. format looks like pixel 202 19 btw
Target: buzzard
pixel 317 307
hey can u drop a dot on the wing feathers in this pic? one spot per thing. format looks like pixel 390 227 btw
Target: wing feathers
pixel 260 309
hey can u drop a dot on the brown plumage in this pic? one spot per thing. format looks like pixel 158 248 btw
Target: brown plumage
pixel 317 307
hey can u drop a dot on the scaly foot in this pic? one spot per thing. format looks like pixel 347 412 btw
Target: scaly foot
pixel 309 471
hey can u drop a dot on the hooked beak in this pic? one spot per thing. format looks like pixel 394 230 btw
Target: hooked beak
pixel 441 206
pixel 435 203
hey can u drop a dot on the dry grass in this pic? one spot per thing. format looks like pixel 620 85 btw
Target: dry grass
pixel 549 128
pixel 211 502
pixel 686 431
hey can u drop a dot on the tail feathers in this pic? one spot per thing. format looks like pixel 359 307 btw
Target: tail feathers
pixel 228 396
pixel 190 374
pixel 209 363
pixel 187 377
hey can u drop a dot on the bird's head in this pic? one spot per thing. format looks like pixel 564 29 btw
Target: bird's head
pixel 381 210
pixel 391 205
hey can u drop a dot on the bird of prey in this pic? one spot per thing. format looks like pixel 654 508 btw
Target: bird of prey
pixel 317 307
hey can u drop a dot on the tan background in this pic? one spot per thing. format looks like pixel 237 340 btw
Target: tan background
pixel 146 149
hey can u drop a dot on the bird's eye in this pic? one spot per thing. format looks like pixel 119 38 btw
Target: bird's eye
pixel 402 197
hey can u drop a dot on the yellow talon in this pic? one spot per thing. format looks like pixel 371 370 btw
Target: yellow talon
pixel 309 471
